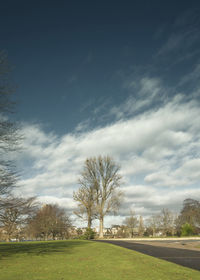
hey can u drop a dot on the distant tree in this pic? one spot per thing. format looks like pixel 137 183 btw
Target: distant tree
pixel 122 232
pixel 9 133
pixel 154 225
pixel 167 222
pixel 163 223
pixel 50 221
pixel 141 227
pixel 15 215
pixel 131 223
pixel 190 214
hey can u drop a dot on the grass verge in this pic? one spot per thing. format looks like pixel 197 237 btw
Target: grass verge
pixel 78 259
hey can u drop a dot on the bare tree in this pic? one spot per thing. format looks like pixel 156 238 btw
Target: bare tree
pixel 154 224
pixel 51 221
pixel 85 197
pixel 98 195
pixel 16 214
pixel 9 134
pixel 162 223
pixel 167 222
pixel 131 223
pixel 141 228
pixel 106 180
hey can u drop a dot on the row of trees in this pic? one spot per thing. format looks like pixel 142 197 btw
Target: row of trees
pixel 27 220
pixel 165 223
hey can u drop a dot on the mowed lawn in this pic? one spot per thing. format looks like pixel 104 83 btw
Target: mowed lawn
pixel 74 259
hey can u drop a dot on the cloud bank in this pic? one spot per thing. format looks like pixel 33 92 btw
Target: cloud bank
pixel 158 150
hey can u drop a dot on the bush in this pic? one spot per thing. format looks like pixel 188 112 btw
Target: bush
pixel 187 230
pixel 89 234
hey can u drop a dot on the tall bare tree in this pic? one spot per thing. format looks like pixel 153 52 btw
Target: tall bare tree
pixel 9 134
pixel 85 195
pixel 101 179
pixel 106 182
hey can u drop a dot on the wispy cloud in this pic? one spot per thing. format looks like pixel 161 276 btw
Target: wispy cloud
pixel 191 77
pixel 180 42
pixel 144 92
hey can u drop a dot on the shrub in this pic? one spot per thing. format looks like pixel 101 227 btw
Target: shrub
pixel 89 234
pixel 187 230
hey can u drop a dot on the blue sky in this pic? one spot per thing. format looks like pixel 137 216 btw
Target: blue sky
pixel 116 77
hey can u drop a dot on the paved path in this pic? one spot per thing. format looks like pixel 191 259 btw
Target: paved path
pixel 188 258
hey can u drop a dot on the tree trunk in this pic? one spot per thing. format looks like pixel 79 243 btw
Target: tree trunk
pixel 131 233
pixel 45 237
pixel 89 222
pixel 101 227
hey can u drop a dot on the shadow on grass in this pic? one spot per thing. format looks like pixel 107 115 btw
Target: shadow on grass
pixel 39 247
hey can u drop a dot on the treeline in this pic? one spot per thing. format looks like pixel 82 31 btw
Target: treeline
pixel 26 220
pixel 186 223
pixel 166 223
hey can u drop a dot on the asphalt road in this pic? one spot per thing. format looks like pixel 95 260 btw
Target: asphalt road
pixel 188 258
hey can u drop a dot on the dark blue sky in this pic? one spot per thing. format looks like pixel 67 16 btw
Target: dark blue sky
pixel 71 58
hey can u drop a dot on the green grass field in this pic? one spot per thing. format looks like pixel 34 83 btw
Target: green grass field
pixel 77 259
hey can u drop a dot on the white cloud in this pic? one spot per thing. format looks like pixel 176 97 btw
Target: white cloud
pixel 66 203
